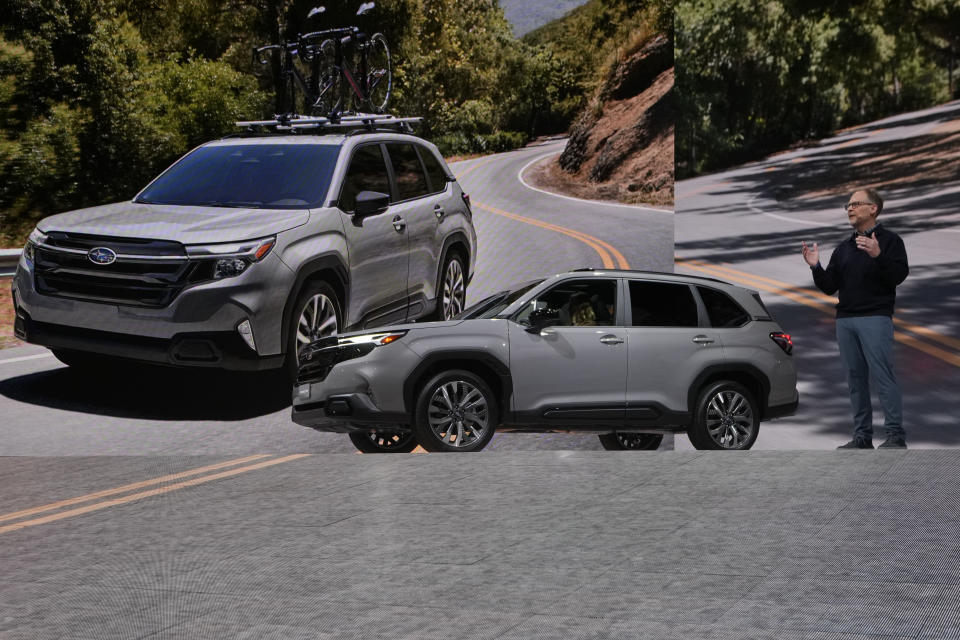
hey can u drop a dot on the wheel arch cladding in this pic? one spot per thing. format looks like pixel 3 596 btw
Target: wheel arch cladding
pixel 481 364
pixel 745 374
pixel 327 268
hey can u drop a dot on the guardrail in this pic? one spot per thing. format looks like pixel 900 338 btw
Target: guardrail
pixel 8 261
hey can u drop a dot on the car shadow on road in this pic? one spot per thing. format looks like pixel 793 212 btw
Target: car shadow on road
pixel 154 393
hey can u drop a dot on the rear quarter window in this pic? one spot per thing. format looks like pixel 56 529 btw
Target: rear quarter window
pixel 723 311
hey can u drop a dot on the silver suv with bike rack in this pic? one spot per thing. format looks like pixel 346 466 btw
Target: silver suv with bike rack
pixel 251 247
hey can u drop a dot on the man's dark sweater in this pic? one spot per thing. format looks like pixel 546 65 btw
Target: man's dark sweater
pixel 867 286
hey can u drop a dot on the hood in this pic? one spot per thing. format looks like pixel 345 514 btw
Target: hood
pixel 185 224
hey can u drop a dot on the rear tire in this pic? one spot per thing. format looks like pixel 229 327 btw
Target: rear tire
pixel 383 441
pixel 626 441
pixel 726 417
pixel 452 293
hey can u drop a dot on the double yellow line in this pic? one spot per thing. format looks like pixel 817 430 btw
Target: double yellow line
pixel 912 335
pixel 131 492
pixel 609 256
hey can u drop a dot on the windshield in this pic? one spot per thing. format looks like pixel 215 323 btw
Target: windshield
pixel 259 176
pixel 491 306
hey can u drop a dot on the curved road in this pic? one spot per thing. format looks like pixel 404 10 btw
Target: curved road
pixel 746 225
pixel 523 233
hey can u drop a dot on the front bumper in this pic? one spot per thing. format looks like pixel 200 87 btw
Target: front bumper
pixel 220 349
pixel 345 388
pixel 205 313
pixel 345 413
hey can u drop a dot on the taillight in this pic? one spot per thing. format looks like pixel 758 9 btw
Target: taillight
pixel 783 341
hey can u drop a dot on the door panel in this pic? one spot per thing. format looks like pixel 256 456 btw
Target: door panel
pixel 568 372
pixel 379 254
pixel 574 368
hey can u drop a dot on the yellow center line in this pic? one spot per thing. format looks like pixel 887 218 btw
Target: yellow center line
pixel 603 249
pixel 127 487
pixel 476 166
pixel 803 296
pixel 147 494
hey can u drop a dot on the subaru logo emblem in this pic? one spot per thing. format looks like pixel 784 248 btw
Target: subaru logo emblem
pixel 102 255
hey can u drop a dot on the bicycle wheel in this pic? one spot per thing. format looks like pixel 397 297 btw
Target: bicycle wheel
pixel 379 76
pixel 329 95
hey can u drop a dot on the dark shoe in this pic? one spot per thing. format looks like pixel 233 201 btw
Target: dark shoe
pixel 893 442
pixel 858 443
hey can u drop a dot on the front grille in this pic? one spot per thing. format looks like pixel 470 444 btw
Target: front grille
pixel 146 273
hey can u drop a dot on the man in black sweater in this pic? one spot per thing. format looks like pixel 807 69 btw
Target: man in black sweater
pixel 866 269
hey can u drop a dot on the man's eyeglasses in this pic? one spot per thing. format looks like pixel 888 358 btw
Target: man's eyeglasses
pixel 851 205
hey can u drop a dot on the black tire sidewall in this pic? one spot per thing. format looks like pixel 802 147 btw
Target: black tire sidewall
pixel 450 257
pixel 421 424
pixel 361 440
pixel 611 443
pixel 310 290
pixel 699 436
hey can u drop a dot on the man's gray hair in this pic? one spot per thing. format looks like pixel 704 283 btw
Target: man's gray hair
pixel 875 198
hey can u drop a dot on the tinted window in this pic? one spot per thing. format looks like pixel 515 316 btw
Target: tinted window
pixel 411 181
pixel 722 309
pixel 367 172
pixel 263 176
pixel 662 304
pixel 574 303
pixel 436 172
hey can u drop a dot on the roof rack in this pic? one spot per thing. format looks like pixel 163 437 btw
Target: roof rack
pixel 359 121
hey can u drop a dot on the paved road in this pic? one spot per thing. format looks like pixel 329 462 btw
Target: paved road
pixel 49 410
pixel 746 225
pixel 570 545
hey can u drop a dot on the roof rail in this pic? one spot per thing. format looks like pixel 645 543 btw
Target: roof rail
pixel 359 121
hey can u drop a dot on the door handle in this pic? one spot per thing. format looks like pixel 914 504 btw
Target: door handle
pixel 439 212
pixel 703 340
pixel 399 224
pixel 611 339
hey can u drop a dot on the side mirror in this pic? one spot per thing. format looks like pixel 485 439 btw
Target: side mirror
pixel 370 203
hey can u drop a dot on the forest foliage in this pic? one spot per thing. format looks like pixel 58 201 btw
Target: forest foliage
pixel 98 96
pixel 756 77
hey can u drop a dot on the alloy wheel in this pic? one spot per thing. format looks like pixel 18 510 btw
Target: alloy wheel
pixel 729 419
pixel 458 414
pixel 454 289
pixel 317 320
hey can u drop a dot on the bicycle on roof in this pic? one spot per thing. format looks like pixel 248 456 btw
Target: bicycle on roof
pixel 332 83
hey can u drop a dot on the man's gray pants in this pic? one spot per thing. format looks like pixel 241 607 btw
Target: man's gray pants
pixel 866 348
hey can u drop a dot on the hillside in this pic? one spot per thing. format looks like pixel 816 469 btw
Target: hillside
pixel 621 147
pixel 525 16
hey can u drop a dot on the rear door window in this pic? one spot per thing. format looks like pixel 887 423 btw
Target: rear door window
pixel 408 171
pixel 436 174
pixel 367 172
pixel 662 304
pixel 722 310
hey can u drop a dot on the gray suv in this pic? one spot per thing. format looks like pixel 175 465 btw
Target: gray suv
pixel 628 355
pixel 249 248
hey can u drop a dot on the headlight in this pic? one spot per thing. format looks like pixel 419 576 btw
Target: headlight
pixel 376 339
pixel 232 258
pixel 35 238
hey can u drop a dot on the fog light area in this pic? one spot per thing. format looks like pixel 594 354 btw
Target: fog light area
pixel 246 332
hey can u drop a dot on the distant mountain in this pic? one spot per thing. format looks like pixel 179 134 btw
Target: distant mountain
pixel 525 16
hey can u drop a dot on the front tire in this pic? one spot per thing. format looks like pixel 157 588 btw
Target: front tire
pixel 456 411
pixel 383 441
pixel 316 315
pixel 726 417
pixel 626 441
